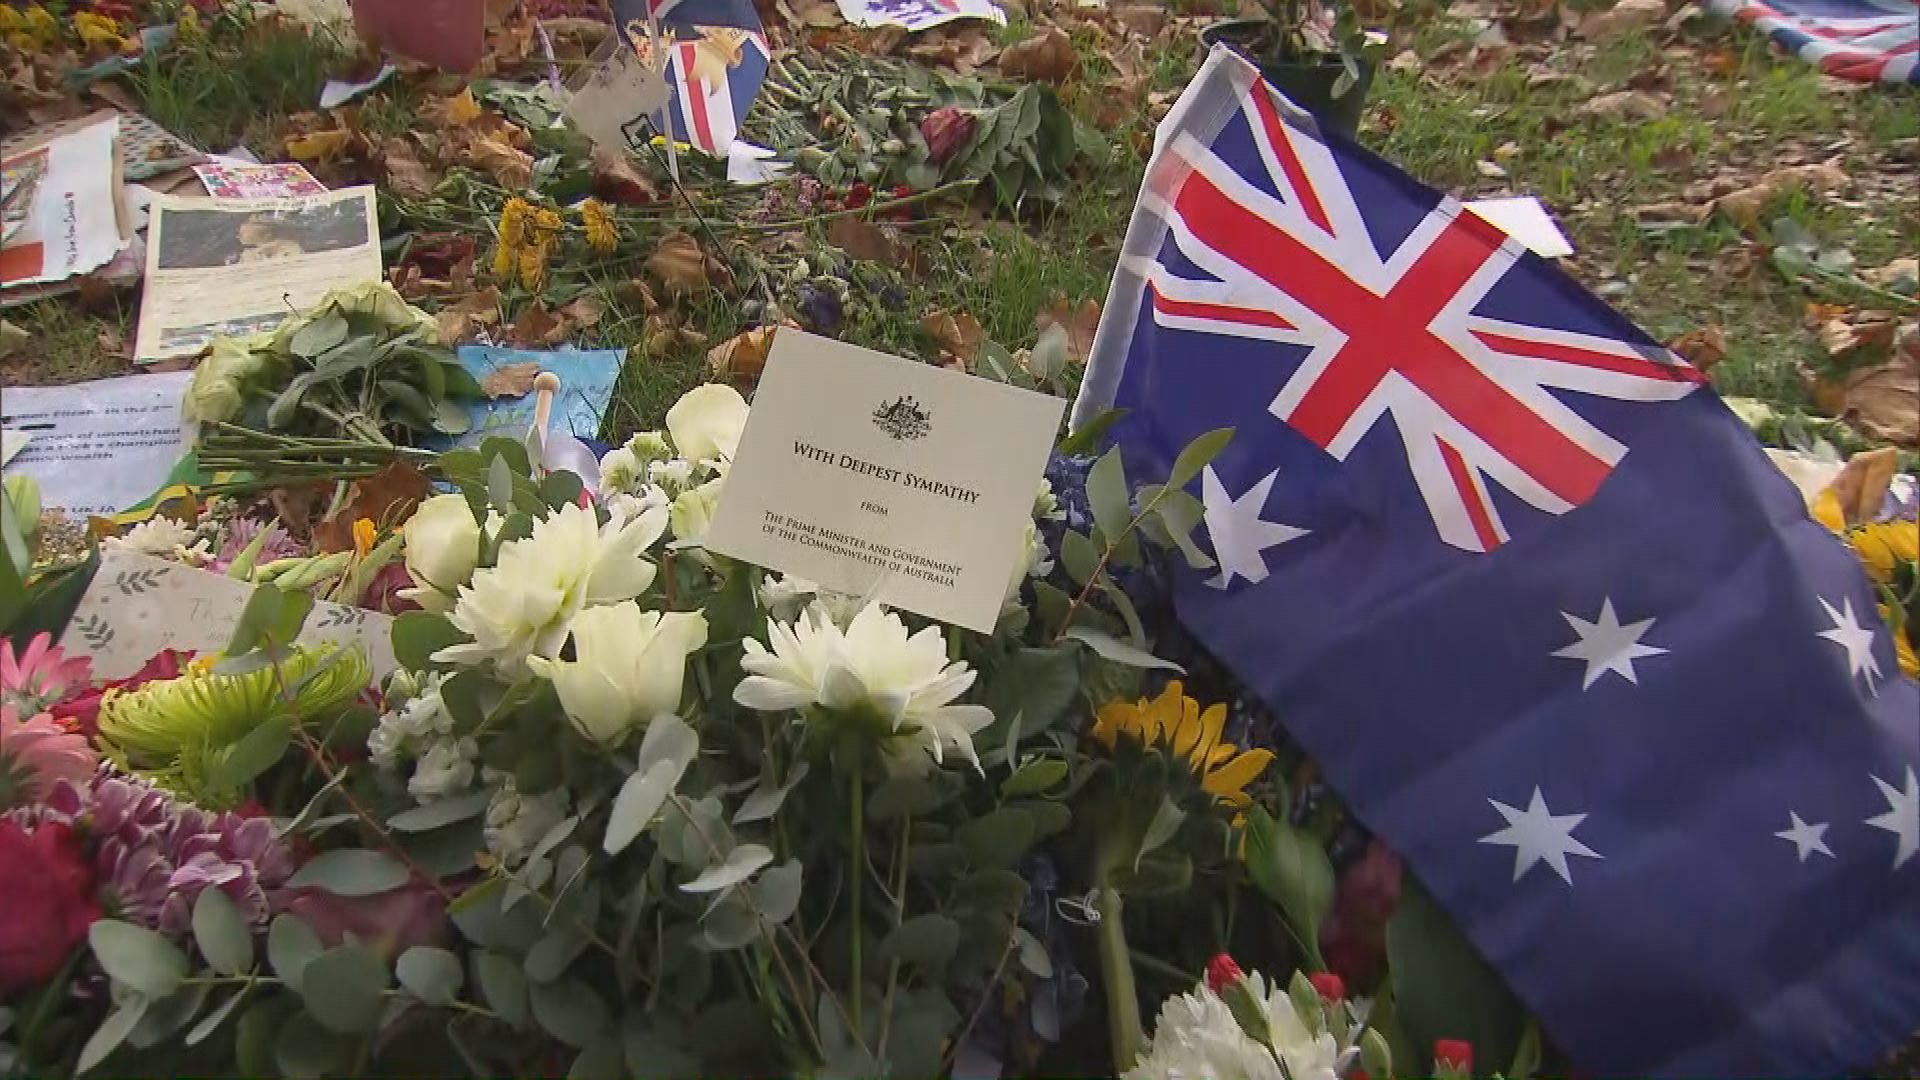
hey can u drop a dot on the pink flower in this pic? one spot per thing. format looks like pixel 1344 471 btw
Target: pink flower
pixel 392 921
pixel 41 675
pixel 1329 986
pixel 1455 1055
pixel 383 591
pixel 1222 972
pixel 47 752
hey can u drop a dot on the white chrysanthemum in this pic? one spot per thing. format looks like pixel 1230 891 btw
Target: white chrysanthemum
pixel 446 768
pixel 1034 561
pixel 1046 505
pixel 400 732
pixel 671 476
pixel 784 595
pixel 874 664
pixel 1196 1035
pixel 523 604
pixel 515 823
pixel 638 501
pixel 165 537
pixel 620 471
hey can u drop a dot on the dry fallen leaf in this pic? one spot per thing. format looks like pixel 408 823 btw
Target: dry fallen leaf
pixel 458 111
pixel 318 147
pixel 678 265
pixel 1862 484
pixel 1626 104
pixel 661 335
pixel 743 357
pixel 617 181
pixel 1858 330
pixel 1406 61
pixel 1744 206
pixel 459 321
pixel 1883 401
pixel 406 173
pixel 1047 56
pixel 959 335
pixel 1892 274
pixel 584 310
pixel 1143 19
pixel 510 380
pixel 535 326
pixel 1079 323
pixel 1489 169
pixel 385 498
pixel 1622 19
pixel 1703 348
pixel 512 168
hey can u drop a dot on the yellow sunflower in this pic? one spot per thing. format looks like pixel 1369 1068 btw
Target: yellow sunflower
pixel 1883 547
pixel 1176 724
pixel 1903 652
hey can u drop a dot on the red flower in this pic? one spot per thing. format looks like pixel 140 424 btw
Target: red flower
pixel 1330 987
pixel 47 905
pixel 83 712
pixel 946 130
pixel 1222 972
pixel 859 195
pixel 1455 1054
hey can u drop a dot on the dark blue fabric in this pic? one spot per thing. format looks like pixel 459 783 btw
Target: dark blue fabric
pixel 1422 677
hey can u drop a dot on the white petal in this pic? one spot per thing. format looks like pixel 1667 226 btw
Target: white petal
pixel 770 695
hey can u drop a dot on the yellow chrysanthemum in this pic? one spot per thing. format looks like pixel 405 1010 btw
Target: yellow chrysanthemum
pixel 1176 724
pixel 514 218
pixel 533 266
pixel 29 28
pixel 98 32
pixel 1882 547
pixel 602 234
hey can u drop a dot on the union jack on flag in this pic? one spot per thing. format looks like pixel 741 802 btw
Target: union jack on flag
pixel 1532 597
pixel 1864 40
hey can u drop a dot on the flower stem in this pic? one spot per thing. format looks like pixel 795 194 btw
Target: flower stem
pixel 855 860
pixel 1116 969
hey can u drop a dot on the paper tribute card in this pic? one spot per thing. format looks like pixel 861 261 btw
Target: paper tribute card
pixel 138 604
pixel 863 471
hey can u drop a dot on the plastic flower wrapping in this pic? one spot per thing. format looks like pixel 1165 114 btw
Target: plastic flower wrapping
pixel 627 806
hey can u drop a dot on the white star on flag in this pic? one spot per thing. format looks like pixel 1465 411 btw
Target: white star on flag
pixel 1535 835
pixel 1857 640
pixel 1239 533
pixel 1902 818
pixel 1806 838
pixel 1606 645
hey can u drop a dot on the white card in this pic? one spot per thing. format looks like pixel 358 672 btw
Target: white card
pixel 98 447
pixel 1523 218
pixel 138 604
pixel 860 470
pixel 622 90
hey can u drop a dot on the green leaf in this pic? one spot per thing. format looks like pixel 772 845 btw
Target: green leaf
pixel 1197 455
pixel 169 1015
pixel 318 336
pixel 998 838
pixel 430 974
pixel 280 413
pixel 1049 818
pixel 291 945
pixel 1163 873
pixel 417 635
pixel 502 986
pixel 927 942
pixel 1290 866
pixel 1048 357
pixel 222 933
pixel 730 924
pixel 111 1033
pixel 211 1022
pixel 904 796
pixel 767 796
pixel 654 1054
pixel 1079 556
pixel 996 890
pixel 1088 436
pixel 604 1060
pixel 776 892
pixel 1179 513
pixel 451 418
pixel 1443 989
pixel 1118 651
pixel 739 865
pixel 553 954
pixel 1107 495
pixel 254 1036
pixel 343 988
pixel 1034 777
pixel 235 766
pixel 261 613
pixel 560 489
pixel 570 1011
pixel 500 483
pixel 304 1049
pixel 1166 821
pixel 441 812
pixel 1033 954
pixel 668 747
pixel 1036 685
pixel 137 957
pixel 351 872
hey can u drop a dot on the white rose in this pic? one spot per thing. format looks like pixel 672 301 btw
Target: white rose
pixel 628 666
pixel 692 511
pixel 706 422
pixel 443 547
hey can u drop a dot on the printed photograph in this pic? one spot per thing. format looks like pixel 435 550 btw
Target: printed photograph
pixel 194 238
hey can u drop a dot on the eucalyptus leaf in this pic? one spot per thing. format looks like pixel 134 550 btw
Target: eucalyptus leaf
pixel 417 635
pixel 351 872
pixel 503 986
pixel 137 957
pixel 927 942
pixel 731 924
pixel 1079 556
pixel 343 988
pixel 776 892
pixel 553 954
pixel 451 418
pixel 997 838
pixel 604 1060
pixel 111 1033
pixel 211 1022
pixel 430 974
pixel 1197 455
pixel 441 812
pixel 291 945
pixel 318 336
pixel 305 1049
pixel 1107 495
pixel 638 803
pixel 1118 651
pixel 904 796
pixel 1085 438
pixel 1033 954
pixel 739 865
pixel 570 1010
pixel 168 1015
pixel 767 797
pixel 222 933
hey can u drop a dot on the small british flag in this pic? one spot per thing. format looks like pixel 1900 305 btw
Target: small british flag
pixel 1864 40
pixel 1532 597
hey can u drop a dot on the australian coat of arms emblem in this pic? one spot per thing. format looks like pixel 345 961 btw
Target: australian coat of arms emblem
pixel 903 418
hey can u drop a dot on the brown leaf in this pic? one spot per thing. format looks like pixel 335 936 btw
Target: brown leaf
pixel 1406 61
pixel 617 181
pixel 1622 19
pixel 865 240
pixel 584 310
pixel 1893 273
pixel 1744 206
pixel 1626 104
pixel 1703 348
pixel 742 357
pixel 1079 323
pixel 1862 484
pixel 460 321
pixel 386 498
pixel 406 173
pixel 1047 56
pixel 510 380
pixel 960 335
pixel 1883 401
pixel 678 265
pixel 458 111
pixel 661 335
pixel 512 168
pixel 1143 19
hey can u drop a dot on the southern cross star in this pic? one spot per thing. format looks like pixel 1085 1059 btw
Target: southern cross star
pixel 1606 645
pixel 1239 533
pixel 1902 818
pixel 1536 836
pixel 1856 639
pixel 1806 838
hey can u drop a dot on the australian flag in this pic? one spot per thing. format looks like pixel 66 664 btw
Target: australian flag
pixel 1531 595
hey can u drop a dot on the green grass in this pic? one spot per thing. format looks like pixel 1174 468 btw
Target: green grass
pixel 224 88
pixel 65 343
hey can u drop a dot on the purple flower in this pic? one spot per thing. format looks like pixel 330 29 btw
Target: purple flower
pixel 241 532
pixel 154 854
